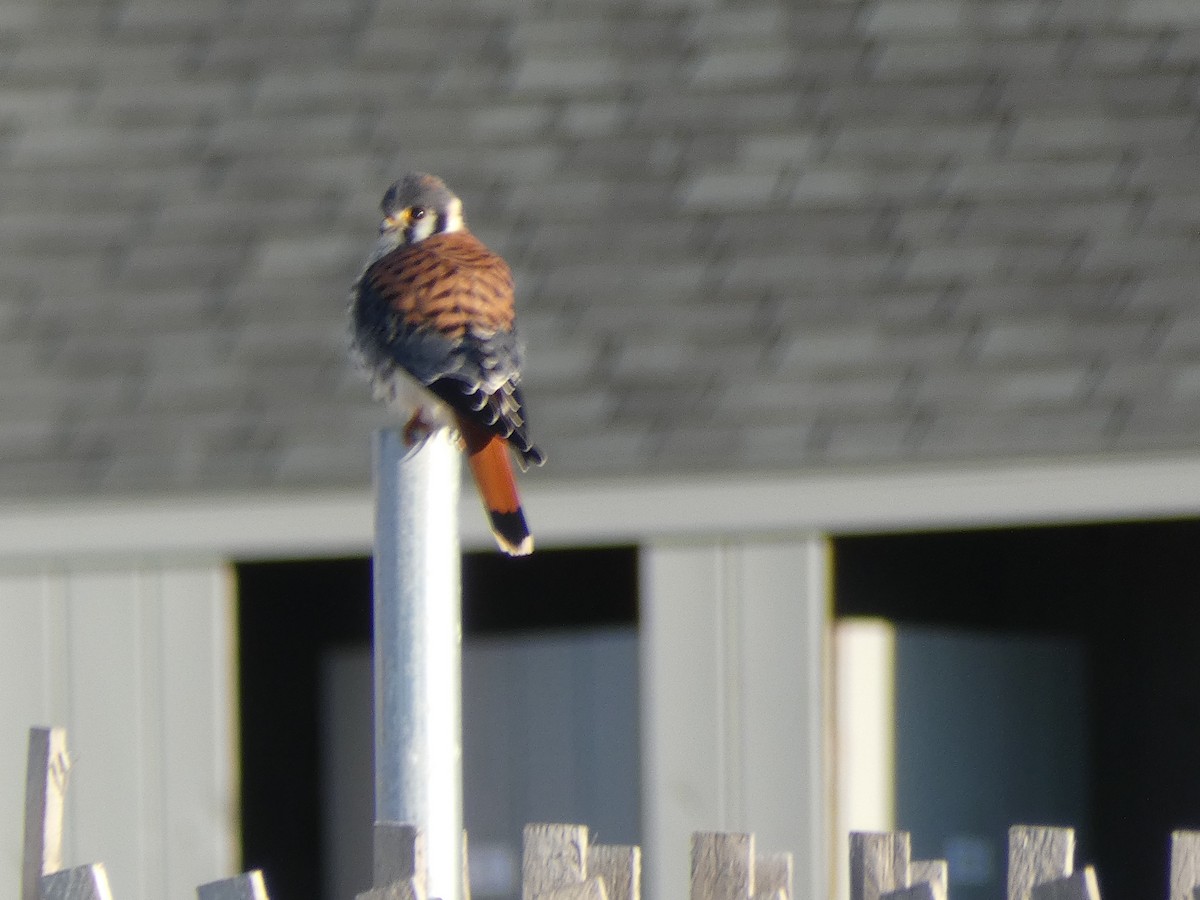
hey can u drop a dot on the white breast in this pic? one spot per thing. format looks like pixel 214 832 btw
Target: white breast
pixel 407 397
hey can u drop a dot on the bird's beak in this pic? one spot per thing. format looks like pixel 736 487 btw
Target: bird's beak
pixel 392 223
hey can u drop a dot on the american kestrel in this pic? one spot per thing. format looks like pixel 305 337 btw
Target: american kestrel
pixel 434 326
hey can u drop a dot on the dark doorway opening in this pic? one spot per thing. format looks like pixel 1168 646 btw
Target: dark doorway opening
pixel 1130 593
pixel 292 613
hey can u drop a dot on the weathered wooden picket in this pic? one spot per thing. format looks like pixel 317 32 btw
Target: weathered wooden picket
pixel 559 862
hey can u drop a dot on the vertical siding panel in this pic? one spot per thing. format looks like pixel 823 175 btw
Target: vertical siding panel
pixel 105 798
pixel 786 598
pixel 682 707
pixel 152 800
pixel 733 700
pixel 198 721
pixel 56 656
pixel 24 702
pixel 138 664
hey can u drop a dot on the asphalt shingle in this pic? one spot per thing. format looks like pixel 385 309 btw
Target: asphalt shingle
pixel 745 235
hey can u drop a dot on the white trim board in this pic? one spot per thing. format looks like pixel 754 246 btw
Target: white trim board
pixel 627 510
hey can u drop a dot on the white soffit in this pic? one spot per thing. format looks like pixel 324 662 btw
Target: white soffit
pixel 266 525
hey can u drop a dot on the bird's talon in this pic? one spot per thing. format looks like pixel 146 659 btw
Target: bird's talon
pixel 416 432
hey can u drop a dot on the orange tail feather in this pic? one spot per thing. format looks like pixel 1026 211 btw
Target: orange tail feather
pixel 488 457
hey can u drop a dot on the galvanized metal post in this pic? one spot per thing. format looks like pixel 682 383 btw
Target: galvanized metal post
pixel 418 649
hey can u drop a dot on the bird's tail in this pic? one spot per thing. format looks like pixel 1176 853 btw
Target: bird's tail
pixel 487 455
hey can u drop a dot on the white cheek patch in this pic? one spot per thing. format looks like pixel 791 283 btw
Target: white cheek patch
pixel 422 228
pixel 454 218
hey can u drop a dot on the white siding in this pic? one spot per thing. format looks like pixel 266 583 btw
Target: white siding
pixel 734 638
pixel 137 663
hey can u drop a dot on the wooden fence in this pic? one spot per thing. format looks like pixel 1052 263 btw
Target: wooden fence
pixel 559 863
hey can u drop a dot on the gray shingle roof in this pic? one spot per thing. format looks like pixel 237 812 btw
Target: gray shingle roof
pixel 747 235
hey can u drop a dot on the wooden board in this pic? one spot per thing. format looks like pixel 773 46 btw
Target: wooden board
pixel 773 875
pixel 1037 854
pixel 588 889
pixel 80 883
pixel 935 872
pixel 620 867
pixel 247 886
pixel 722 866
pixel 399 854
pixel 397 890
pixel 920 891
pixel 1079 885
pixel 879 862
pixel 554 856
pixel 46 769
pixel 1185 864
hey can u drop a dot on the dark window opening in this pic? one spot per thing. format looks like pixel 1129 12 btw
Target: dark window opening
pixel 1130 593
pixel 290 613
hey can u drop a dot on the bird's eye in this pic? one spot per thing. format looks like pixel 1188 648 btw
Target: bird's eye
pixel 417 212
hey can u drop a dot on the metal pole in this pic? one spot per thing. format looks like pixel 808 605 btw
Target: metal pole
pixel 418 649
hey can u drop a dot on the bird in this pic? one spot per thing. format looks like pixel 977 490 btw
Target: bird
pixel 433 325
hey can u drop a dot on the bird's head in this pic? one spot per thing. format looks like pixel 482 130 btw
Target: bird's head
pixel 416 207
